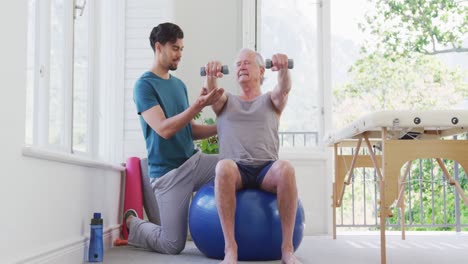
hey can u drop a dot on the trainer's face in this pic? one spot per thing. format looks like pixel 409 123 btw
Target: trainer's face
pixel 170 54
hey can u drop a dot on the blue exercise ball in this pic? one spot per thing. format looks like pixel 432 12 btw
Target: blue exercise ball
pixel 257 225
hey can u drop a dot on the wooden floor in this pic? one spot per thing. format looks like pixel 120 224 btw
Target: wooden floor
pixel 349 248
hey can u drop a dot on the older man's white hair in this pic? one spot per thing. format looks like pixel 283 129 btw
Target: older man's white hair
pixel 258 59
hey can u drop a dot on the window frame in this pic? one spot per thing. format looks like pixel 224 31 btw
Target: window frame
pixel 251 11
pixel 103 116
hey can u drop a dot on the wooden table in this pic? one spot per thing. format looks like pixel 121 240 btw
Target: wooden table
pixel 400 137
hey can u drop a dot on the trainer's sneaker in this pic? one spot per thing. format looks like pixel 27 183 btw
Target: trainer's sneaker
pixel 128 213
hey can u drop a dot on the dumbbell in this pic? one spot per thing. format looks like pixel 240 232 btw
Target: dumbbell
pixel 268 63
pixel 224 70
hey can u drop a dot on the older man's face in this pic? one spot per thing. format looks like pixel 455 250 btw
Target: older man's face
pixel 248 71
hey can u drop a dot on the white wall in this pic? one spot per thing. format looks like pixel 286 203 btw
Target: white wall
pixel 45 206
pixel 213 31
pixel 313 187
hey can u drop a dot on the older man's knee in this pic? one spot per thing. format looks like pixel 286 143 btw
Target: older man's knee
pixel 225 165
pixel 225 171
pixel 285 167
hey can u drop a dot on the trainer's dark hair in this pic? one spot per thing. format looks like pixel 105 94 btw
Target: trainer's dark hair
pixel 165 32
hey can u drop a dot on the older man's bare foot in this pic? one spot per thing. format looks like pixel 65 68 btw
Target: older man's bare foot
pixel 230 258
pixel 289 258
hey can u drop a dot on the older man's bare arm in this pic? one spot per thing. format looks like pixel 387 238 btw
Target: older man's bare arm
pixel 213 72
pixel 279 96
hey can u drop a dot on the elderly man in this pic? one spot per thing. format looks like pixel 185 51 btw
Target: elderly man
pixel 248 135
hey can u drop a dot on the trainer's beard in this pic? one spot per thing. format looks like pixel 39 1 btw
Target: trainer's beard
pixel 173 68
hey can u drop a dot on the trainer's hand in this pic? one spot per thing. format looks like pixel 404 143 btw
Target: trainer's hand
pixel 209 97
pixel 213 69
pixel 279 62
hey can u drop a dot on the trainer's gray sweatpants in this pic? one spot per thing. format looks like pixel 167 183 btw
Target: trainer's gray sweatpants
pixel 173 192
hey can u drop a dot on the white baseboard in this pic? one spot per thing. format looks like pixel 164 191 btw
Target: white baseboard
pixel 71 251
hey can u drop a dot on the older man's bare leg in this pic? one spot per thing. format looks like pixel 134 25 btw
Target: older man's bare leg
pixel 227 181
pixel 281 179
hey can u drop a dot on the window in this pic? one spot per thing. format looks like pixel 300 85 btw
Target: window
pixel 292 28
pixel 366 77
pixel 60 74
pixel 82 80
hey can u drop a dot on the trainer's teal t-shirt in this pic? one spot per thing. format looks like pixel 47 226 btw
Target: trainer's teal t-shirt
pixel 171 94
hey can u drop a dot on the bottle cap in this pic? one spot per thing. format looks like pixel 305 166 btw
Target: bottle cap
pixel 96 220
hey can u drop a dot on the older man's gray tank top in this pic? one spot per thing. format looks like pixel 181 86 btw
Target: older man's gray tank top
pixel 248 130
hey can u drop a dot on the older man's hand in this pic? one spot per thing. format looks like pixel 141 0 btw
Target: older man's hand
pixel 279 62
pixel 213 69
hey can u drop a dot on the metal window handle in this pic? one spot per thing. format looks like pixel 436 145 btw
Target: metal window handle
pixel 80 7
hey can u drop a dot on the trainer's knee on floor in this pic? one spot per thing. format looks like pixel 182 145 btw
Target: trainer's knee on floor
pixel 174 247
